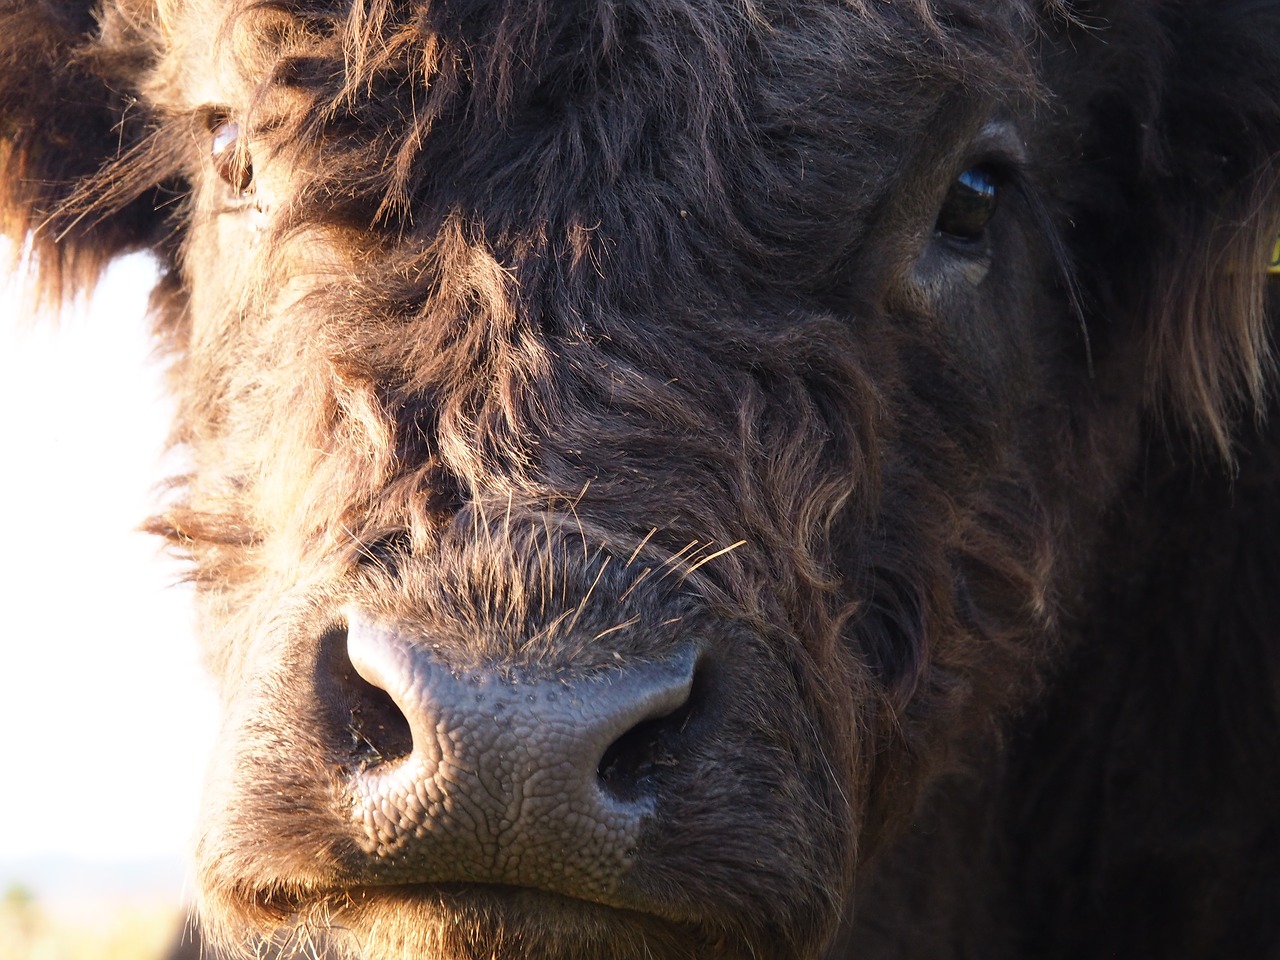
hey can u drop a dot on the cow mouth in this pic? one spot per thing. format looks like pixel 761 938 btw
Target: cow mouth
pixel 470 919
pixel 295 904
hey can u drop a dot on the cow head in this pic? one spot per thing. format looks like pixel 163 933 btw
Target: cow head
pixel 637 446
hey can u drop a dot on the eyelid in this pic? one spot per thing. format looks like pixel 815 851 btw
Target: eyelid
pixel 997 145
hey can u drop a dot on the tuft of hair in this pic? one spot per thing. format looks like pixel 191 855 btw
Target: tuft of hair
pixel 63 119
pixel 1185 132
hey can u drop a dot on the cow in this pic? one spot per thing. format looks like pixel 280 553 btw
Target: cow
pixel 704 478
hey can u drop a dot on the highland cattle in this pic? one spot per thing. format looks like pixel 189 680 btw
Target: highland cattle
pixel 778 479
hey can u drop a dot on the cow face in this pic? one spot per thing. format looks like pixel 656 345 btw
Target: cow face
pixel 637 447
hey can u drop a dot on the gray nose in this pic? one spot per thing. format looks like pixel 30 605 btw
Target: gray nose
pixel 522 779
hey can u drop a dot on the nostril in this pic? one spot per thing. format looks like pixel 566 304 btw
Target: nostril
pixel 379 731
pixel 632 764
pixel 375 729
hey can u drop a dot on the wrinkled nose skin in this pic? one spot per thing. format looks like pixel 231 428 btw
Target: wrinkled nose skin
pixel 504 783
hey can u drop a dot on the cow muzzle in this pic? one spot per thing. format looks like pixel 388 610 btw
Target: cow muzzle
pixel 526 777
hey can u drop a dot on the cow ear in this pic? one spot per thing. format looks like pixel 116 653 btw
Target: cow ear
pixel 1186 132
pixel 65 117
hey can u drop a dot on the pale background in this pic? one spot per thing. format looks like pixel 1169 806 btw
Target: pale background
pixel 105 715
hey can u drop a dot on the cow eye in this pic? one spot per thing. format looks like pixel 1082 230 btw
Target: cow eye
pixel 229 156
pixel 970 204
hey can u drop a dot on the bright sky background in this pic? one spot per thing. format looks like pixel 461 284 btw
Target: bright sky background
pixel 106 716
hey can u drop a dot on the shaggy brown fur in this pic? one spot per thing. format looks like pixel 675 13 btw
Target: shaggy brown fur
pixel 559 334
